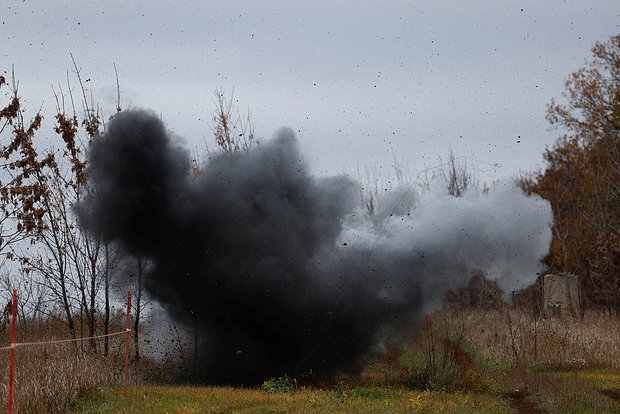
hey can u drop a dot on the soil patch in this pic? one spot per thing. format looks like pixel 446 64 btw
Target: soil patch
pixel 521 403
pixel 613 394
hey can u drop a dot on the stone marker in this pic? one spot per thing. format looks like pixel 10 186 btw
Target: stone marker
pixel 561 295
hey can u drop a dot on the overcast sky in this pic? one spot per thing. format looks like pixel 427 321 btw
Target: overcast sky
pixel 364 83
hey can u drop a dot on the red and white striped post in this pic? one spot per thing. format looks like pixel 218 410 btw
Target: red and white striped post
pixel 12 363
pixel 127 330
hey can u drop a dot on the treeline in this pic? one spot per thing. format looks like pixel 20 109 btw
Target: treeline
pixel 582 178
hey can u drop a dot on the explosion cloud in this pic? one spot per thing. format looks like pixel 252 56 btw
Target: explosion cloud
pixel 283 272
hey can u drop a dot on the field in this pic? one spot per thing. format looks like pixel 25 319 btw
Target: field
pixel 461 361
pixel 545 392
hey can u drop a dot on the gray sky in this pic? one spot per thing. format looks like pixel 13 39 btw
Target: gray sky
pixel 364 83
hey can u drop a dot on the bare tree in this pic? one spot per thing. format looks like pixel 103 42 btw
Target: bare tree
pixel 107 270
pixel 141 264
pixel 232 131
pixel 456 176
pixel 70 259
pixel 32 299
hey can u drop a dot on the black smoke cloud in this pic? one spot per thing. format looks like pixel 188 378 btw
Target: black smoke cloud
pixel 282 272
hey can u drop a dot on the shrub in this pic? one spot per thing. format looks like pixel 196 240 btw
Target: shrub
pixel 442 360
pixel 280 384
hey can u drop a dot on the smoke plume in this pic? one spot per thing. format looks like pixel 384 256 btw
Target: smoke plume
pixel 283 272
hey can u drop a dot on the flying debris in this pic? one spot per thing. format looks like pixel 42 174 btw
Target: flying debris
pixel 281 271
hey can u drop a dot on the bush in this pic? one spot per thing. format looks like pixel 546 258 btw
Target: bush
pixel 442 360
pixel 479 293
pixel 280 384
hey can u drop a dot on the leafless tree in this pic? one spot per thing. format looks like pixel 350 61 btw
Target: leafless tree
pixel 232 131
pixel 456 176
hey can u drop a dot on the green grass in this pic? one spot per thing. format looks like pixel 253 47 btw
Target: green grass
pixel 552 391
pixel 158 399
pixel 567 391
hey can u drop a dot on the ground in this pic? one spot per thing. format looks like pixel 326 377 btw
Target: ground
pixel 512 391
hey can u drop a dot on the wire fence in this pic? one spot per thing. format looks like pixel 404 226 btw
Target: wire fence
pixel 62 341
pixel 14 345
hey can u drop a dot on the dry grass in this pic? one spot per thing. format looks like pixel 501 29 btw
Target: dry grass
pixel 514 391
pixel 48 378
pixel 555 365
pixel 516 338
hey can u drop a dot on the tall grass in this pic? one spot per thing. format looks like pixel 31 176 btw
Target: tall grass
pixel 48 378
pixel 472 350
pixel 518 338
pixel 465 350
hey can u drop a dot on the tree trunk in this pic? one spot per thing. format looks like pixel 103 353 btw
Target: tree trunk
pixel 67 308
pixel 106 292
pixel 136 324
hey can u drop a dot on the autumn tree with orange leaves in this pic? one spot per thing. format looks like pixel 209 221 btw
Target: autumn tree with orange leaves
pixel 582 177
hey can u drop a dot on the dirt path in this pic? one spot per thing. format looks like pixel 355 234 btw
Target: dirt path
pixel 521 403
pixel 613 394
